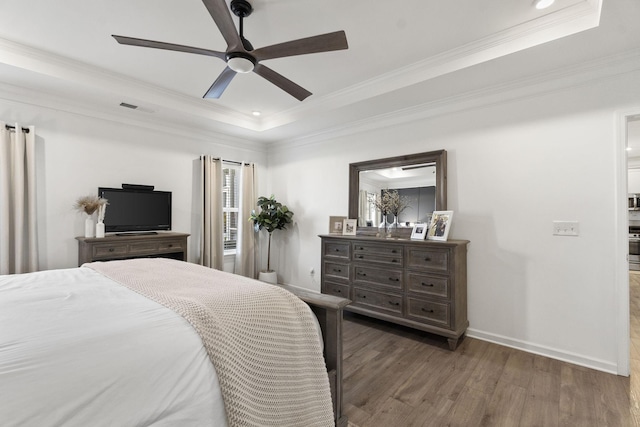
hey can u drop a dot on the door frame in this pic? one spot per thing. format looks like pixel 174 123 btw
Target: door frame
pixel 623 330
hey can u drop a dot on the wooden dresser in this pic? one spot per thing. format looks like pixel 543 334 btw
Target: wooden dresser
pixel 164 244
pixel 416 283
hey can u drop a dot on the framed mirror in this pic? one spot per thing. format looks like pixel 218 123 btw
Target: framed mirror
pixel 420 178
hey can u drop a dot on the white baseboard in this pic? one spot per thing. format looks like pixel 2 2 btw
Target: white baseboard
pixel 576 359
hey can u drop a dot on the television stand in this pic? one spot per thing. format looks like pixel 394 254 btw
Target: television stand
pixel 113 247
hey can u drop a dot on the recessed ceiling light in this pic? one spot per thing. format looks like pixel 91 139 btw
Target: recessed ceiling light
pixel 256 113
pixel 543 4
pixel 629 148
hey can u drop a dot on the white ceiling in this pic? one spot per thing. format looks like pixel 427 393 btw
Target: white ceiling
pixel 401 55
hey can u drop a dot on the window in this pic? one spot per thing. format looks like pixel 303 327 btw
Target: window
pixel 230 205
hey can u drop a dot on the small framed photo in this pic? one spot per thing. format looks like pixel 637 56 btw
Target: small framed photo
pixel 335 224
pixel 419 231
pixel 349 227
pixel 440 225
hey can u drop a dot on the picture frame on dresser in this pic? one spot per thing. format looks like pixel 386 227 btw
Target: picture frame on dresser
pixel 419 231
pixel 335 224
pixel 440 225
pixel 349 227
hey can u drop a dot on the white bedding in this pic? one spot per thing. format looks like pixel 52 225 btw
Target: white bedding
pixel 77 349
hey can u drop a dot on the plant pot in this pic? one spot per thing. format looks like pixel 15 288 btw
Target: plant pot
pixel 268 277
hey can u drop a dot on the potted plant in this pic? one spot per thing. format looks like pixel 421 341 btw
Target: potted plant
pixel 273 216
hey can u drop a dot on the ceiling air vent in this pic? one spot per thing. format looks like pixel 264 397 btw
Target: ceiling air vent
pixel 124 104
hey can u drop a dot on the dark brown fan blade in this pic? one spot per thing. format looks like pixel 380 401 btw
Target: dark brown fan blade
pixel 168 46
pixel 221 83
pixel 219 11
pixel 315 44
pixel 282 82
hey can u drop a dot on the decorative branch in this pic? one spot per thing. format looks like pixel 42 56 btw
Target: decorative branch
pixel 89 204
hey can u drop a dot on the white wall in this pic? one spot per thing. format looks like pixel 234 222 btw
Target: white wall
pixel 513 168
pixel 77 154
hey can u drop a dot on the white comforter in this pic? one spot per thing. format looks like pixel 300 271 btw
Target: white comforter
pixel 77 349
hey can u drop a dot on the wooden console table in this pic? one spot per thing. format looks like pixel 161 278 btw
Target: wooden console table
pixel 164 244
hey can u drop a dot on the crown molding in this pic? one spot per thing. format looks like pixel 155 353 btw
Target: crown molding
pixel 39 99
pixel 564 22
pixel 555 81
pixel 137 91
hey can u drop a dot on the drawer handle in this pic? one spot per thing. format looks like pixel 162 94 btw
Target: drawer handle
pixel 428 284
pixel 111 249
pixel 362 274
pixel 336 270
pixel 394 279
pixel 362 296
pixel 337 290
pixel 394 303
pixel 426 311
pixel 427 259
pixel 337 250
pixel 394 260
pixel 170 245
pixel 394 251
pixel 360 256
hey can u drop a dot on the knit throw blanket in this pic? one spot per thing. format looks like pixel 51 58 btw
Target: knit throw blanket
pixel 262 340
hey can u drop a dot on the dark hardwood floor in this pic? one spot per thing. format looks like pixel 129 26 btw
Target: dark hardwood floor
pixel 395 376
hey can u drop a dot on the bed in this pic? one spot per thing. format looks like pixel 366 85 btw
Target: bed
pixel 159 342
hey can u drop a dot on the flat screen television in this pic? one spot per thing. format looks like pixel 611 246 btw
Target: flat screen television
pixel 134 210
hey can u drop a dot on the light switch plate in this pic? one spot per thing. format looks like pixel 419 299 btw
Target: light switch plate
pixel 566 228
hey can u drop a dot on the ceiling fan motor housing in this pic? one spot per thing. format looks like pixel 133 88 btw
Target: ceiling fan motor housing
pixel 241 8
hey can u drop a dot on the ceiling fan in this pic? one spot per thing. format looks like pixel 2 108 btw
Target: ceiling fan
pixel 240 55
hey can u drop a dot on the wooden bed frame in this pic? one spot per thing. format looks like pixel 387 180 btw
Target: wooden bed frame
pixel 328 309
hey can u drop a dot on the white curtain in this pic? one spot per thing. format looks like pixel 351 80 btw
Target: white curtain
pixel 245 263
pixel 18 241
pixel 212 239
pixel 363 208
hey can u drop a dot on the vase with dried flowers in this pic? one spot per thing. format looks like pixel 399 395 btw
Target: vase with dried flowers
pixel 389 202
pixel 397 204
pixel 89 205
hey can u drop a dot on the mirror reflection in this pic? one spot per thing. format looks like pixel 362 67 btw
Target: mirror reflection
pixel 420 181
pixel 416 188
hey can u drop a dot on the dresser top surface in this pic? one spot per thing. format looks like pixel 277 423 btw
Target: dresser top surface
pixel 112 237
pixel 450 242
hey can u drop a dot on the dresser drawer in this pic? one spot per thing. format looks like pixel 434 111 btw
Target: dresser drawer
pixel 373 249
pixel 378 276
pixel 170 245
pixel 335 270
pixel 431 259
pixel 143 248
pixel 428 284
pixel 429 311
pixel 336 289
pixel 337 250
pixel 109 251
pixel 379 301
pixel 378 258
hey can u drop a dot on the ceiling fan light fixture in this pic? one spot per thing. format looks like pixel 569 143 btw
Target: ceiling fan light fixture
pixel 543 4
pixel 240 63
